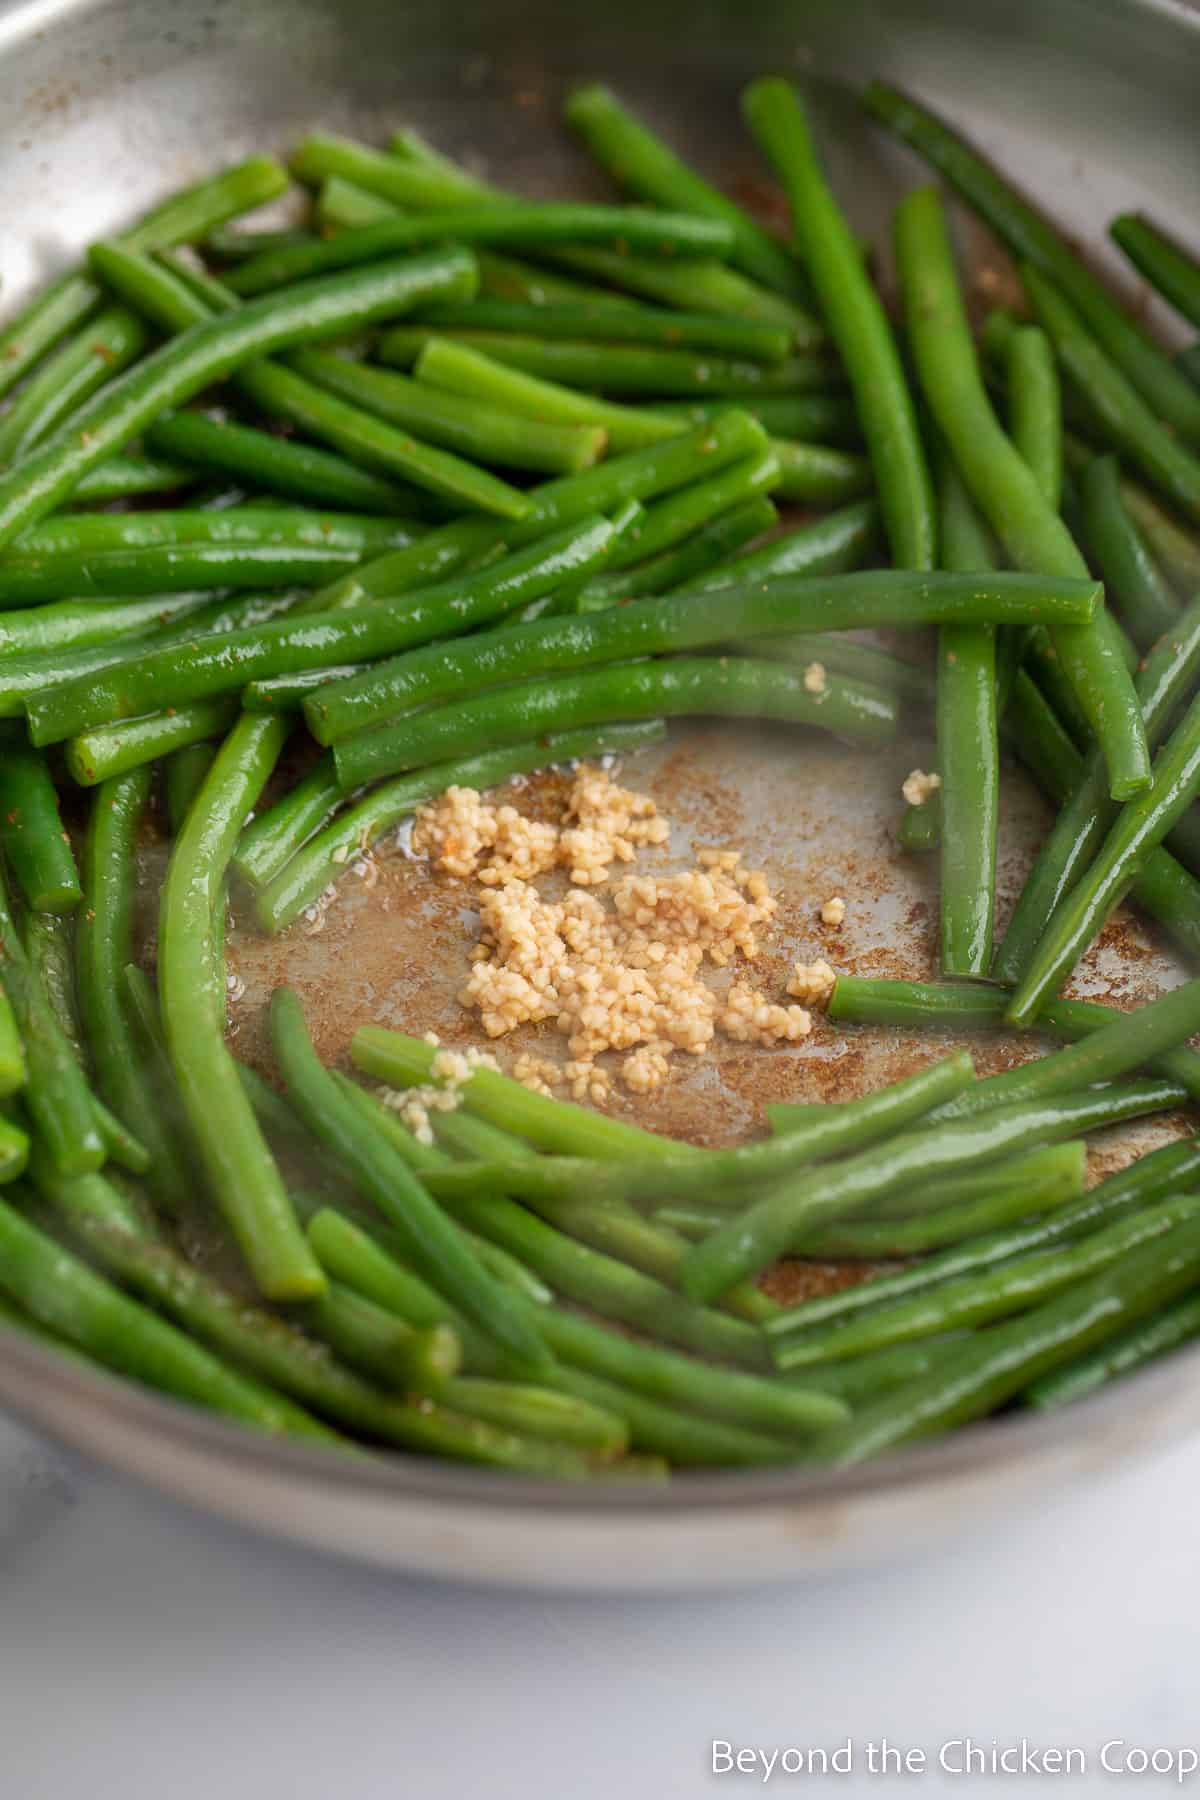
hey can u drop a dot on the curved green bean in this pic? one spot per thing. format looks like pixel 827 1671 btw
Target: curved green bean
pixel 245 1181
pixel 681 687
pixel 857 323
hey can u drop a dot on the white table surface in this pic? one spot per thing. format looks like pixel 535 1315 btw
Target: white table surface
pixel 147 1652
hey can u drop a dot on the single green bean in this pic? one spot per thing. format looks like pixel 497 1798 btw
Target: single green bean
pixel 641 162
pixel 131 477
pixel 1033 239
pixel 1003 486
pixel 613 324
pixel 208 351
pixel 857 323
pixel 1132 579
pixel 244 1178
pixel 1166 266
pixel 270 841
pixel 263 460
pixel 1118 1356
pixel 624 368
pixel 541 1413
pixel 85 624
pixel 521 226
pixel 684 566
pixel 160 569
pixel 110 750
pixel 210 665
pixel 307 881
pixel 490 434
pixel 32 835
pixel 555 1125
pixel 1035 409
pixel 184 774
pixel 677 687
pixel 788 1212
pixel 990 1367
pixel 830 546
pixel 382 1347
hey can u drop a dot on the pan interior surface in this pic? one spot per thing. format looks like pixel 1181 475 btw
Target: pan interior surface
pixel 1089 104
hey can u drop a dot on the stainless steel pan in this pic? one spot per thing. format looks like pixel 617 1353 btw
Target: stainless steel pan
pixel 1091 104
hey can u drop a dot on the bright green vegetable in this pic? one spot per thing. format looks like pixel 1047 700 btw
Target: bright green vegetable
pixel 857 324
pixel 111 750
pixel 1035 409
pixel 1133 582
pixel 263 460
pixel 1004 488
pixel 1118 1356
pixel 32 835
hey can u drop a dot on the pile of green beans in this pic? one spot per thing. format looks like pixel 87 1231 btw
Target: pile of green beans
pixel 441 486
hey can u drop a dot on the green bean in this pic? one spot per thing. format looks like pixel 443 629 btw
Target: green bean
pixel 612 323
pixel 981 1297
pixel 1035 409
pixel 167 569
pixel 639 161
pixel 866 1377
pixel 1165 1172
pixel 857 323
pixel 1118 1356
pixel 1130 423
pixel 49 941
pixel 356 1258
pixel 111 750
pixel 1004 488
pixel 129 478
pixel 31 831
pixel 554 1125
pixel 56 1096
pixel 216 347
pixel 273 838
pixel 520 225
pixel 788 1212
pixel 968 750
pixel 541 1413
pixel 1167 676
pixel 832 1131
pixel 615 1229
pixel 623 368
pixel 184 774
pixel 1166 266
pixel 950 1210
pixel 382 1347
pixel 814 475
pixel 641 475
pixel 63 1294
pixel 829 546
pixel 303 471
pixel 275 1351
pixel 490 434
pixel 103 946
pixel 974 1378
pixel 304 884
pixel 683 567
pixel 687 621
pixel 507 278
pixel 384 1178
pixel 244 1178
pixel 681 687
pixel 1033 239
pixel 812 418
pixel 81 534
pixel 1138 829
pixel 211 665
pixel 453 366
pixel 86 624
pixel 1132 579
pixel 69 376
pixel 691 620
pixel 67 302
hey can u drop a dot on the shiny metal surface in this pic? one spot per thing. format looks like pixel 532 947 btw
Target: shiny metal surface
pixel 1090 103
